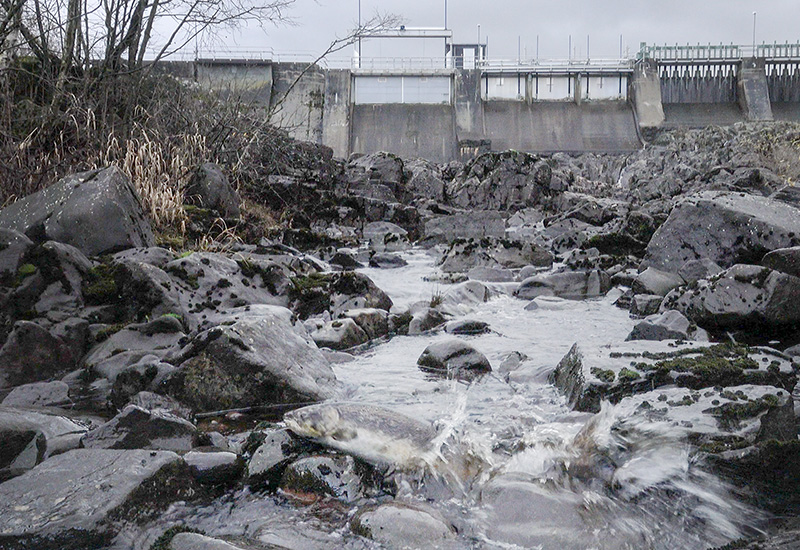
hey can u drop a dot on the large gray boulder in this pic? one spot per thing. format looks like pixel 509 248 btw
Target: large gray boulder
pixel 399 525
pixel 785 260
pixel 468 225
pixel 13 248
pixel 98 212
pixel 209 188
pixel 741 297
pixel 32 354
pixel 464 255
pixel 137 428
pixel 572 285
pixel 669 325
pixel 727 228
pixel 79 499
pixel 28 437
pixel 454 359
pixel 256 357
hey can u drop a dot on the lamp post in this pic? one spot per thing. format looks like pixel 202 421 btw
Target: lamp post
pixel 445 14
pixel 359 34
pixel 754 35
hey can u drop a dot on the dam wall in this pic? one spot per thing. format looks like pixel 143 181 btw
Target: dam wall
pixel 444 112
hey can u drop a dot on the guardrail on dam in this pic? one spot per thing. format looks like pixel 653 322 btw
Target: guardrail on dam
pixel 453 107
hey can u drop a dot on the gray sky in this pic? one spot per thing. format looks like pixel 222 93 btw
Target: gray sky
pixel 505 22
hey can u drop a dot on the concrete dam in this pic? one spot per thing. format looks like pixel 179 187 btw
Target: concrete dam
pixel 455 107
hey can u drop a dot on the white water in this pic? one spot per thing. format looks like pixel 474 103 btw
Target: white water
pixel 538 485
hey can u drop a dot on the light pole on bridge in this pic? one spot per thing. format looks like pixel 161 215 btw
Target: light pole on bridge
pixel 754 35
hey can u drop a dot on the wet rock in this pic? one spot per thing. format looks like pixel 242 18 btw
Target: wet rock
pixel 154 255
pixel 463 297
pixel 27 438
pixel 491 275
pixel 464 255
pixel 214 467
pixel 654 281
pixel 645 304
pixel 345 261
pixel 335 293
pixel 574 285
pixel 744 297
pixel 14 246
pixel 385 237
pixel 424 320
pixel 144 375
pixel 468 225
pixel 39 394
pixel 694 270
pixel 501 181
pixel 339 334
pixel 785 260
pixel 257 358
pixel 386 261
pixel 399 525
pixel 374 322
pixel 424 182
pixel 95 491
pixel 97 212
pixel 279 448
pixel 209 188
pixel 727 228
pixel 154 402
pixel 137 428
pixel 669 325
pixel 588 377
pixel 454 359
pixel 315 477
pixel 466 326
pixel 32 354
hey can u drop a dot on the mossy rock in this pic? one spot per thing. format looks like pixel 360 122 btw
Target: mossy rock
pixel 101 285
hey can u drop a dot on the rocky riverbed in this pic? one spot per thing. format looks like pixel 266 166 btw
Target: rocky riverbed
pixel 518 351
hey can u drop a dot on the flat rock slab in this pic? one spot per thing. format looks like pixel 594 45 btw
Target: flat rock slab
pixel 73 500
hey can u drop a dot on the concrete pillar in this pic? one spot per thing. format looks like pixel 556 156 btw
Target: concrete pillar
pixel 337 111
pixel 577 89
pixel 754 90
pixel 646 94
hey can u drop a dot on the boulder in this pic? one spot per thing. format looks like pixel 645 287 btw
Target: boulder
pixel 386 261
pixel 744 297
pixel 645 304
pixel 209 188
pixel 399 525
pixel 588 375
pixel 424 181
pixel 80 499
pixel 491 275
pixel 214 467
pixel 694 270
pixel 468 225
pixel 466 326
pixel 654 281
pixel 256 358
pixel 278 449
pixel 572 285
pixel 785 260
pixel 32 354
pixel 315 477
pixel 335 293
pixel 39 394
pixel 374 322
pixel 385 237
pixel 28 437
pixel 137 428
pixel 464 255
pixel 669 325
pixel 425 320
pixel 454 359
pixel 14 246
pixel 98 212
pixel 727 228
pixel 339 334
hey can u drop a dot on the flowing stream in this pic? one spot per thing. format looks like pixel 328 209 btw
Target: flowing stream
pixel 518 468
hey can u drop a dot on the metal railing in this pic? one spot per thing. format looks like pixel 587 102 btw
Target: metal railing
pixel 720 52
pixel 599 65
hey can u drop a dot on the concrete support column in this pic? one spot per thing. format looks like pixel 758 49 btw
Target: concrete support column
pixel 754 90
pixel 337 111
pixel 577 87
pixel 646 94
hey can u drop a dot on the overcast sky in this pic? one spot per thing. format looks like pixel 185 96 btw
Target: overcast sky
pixel 509 23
